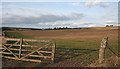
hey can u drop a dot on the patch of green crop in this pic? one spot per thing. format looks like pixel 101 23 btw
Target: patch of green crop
pixel 81 44
pixel 111 49
pixel 15 35
pixel 87 51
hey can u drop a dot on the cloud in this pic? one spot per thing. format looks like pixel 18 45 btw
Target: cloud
pixel 13 16
pixel 15 10
pixel 47 18
pixel 71 24
pixel 113 22
pixel 92 3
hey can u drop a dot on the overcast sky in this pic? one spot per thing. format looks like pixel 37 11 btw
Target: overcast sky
pixel 89 13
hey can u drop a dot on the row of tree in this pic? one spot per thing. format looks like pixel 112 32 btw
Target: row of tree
pixel 55 28
pixel 59 28
pixel 109 25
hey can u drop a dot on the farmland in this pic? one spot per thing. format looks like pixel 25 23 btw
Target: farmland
pixel 74 47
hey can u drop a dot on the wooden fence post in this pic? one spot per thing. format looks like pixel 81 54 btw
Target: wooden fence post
pixel 3 40
pixel 53 52
pixel 3 37
pixel 104 43
pixel 20 49
pixel 3 34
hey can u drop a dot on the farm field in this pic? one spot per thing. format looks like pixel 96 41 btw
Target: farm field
pixel 74 47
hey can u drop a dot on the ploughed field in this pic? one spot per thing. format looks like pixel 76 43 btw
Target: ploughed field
pixel 91 33
pixel 74 47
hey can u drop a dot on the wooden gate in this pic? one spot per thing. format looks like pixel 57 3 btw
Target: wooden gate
pixel 28 49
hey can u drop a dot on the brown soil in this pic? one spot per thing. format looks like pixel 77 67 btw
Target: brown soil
pixel 73 34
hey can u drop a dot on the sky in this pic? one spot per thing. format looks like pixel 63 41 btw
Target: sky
pixel 89 13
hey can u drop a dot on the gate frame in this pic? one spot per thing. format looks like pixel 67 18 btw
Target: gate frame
pixel 23 58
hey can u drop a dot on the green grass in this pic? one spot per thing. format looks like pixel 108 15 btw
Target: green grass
pixel 10 34
pixel 113 45
pixel 87 50
pixel 81 44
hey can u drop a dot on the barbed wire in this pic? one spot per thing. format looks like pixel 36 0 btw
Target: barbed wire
pixel 112 51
